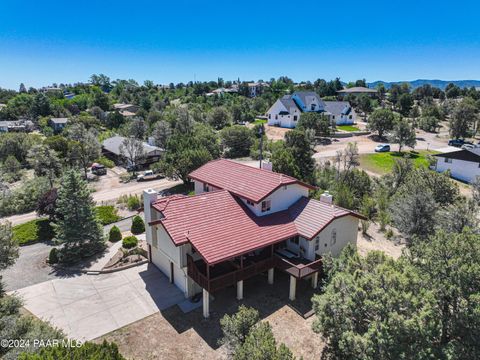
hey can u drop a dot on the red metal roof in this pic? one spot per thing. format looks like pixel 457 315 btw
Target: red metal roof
pixel 221 227
pixel 242 180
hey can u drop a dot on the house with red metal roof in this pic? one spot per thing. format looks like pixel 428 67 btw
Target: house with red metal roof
pixel 243 221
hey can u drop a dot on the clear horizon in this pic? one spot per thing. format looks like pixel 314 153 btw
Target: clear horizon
pixel 45 43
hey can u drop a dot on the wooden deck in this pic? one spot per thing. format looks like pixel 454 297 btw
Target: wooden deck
pixel 214 278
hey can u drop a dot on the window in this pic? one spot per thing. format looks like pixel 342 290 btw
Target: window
pixel 295 118
pixel 350 116
pixel 295 240
pixel 448 160
pixel 250 203
pixel 276 117
pixel 193 250
pixel 312 107
pixel 205 187
pixel 266 205
pixel 333 117
pixel 317 243
pixel 269 116
pixel 333 240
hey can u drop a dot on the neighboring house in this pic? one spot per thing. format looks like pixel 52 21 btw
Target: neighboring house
pixel 357 90
pixel 111 148
pixel 221 91
pixel 463 164
pixel 341 112
pixel 16 126
pixel 286 111
pixel 256 88
pixel 127 110
pixel 243 221
pixel 58 124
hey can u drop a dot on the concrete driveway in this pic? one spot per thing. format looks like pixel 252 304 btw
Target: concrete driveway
pixel 88 306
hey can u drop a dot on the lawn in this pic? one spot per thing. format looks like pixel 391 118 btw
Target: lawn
pixel 107 214
pixel 348 128
pixel 382 163
pixel 33 231
pixel 259 121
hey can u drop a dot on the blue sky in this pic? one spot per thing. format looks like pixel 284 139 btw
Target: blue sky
pixel 42 42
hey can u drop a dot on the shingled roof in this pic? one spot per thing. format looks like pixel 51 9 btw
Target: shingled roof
pixel 251 183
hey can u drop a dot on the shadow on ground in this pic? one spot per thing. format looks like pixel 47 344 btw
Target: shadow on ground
pixel 267 299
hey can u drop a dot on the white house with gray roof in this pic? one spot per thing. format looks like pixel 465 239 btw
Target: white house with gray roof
pixel 286 111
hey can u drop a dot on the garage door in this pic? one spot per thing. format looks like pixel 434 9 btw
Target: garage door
pixel 161 261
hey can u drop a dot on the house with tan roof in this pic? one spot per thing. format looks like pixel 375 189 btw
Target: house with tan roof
pixel 241 222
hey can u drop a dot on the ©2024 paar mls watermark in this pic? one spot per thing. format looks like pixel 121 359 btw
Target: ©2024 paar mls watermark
pixel 38 343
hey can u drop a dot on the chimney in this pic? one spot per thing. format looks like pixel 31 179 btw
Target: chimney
pixel 266 165
pixel 149 196
pixel 326 198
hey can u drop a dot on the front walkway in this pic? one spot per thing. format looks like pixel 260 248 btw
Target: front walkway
pixel 88 306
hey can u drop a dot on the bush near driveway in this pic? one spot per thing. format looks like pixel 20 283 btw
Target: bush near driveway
pixel 33 231
pixel 53 256
pixel 138 226
pixel 114 234
pixel 107 214
pixel 129 242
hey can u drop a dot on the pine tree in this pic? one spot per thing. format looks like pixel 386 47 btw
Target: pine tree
pixel 77 228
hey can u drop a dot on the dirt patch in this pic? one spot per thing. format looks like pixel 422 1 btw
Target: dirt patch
pixel 376 240
pixel 275 133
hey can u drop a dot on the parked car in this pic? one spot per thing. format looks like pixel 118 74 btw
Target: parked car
pixel 148 175
pixel 98 169
pixel 382 148
pixel 458 142
pixel 469 146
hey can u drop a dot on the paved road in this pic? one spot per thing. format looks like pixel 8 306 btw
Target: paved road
pixel 31 268
pixel 105 195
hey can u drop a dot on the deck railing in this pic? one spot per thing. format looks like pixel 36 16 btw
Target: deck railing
pixel 229 278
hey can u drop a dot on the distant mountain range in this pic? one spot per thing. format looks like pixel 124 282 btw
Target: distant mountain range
pixel 436 83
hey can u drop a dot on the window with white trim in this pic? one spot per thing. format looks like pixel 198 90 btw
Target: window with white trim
pixel 266 205
pixel 250 203
pixel 333 239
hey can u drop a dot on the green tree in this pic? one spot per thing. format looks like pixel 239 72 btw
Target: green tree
pixel 299 142
pixel 41 105
pixel 405 103
pixel 8 248
pixel 218 118
pixel 114 234
pixel 11 169
pixel 161 133
pixel 236 327
pixel 365 105
pixel 413 212
pixel 449 267
pixel 44 162
pixel 260 344
pixel 77 227
pixel 462 118
pixel 381 121
pixel 237 140
pixel 84 147
pixel 133 151
pixel 320 123
pixel 374 308
pixel 428 123
pixel 403 134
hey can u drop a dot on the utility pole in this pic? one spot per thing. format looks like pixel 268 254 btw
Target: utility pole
pixel 261 131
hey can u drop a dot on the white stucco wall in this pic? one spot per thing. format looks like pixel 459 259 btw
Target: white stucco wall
pixel 199 187
pixel 459 169
pixel 281 199
pixel 275 119
pixel 347 230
